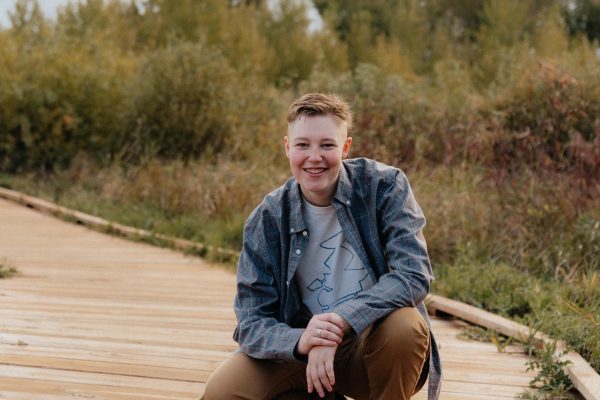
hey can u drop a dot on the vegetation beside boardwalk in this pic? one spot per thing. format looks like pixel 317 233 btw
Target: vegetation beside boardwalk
pixel 172 120
pixel 6 268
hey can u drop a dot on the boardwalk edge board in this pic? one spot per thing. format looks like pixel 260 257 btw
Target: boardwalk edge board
pixel 585 379
pixel 101 223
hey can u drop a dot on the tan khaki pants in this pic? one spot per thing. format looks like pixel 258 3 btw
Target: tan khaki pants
pixel 384 363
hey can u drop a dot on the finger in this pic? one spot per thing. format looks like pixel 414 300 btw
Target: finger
pixel 325 334
pixel 322 342
pixel 326 330
pixel 330 372
pixel 338 321
pixel 323 322
pixel 332 328
pixel 316 381
pixel 309 382
pixel 333 318
pixel 323 378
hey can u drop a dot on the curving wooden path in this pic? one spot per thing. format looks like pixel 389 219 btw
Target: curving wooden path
pixel 92 316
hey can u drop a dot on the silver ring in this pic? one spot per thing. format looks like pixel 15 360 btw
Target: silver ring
pixel 318 333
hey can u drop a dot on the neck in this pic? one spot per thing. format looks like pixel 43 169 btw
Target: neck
pixel 318 199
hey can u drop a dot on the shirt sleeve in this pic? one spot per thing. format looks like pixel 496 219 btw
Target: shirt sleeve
pixel 400 225
pixel 259 332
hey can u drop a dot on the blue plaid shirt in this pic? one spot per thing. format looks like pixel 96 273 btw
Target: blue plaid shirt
pixel 382 221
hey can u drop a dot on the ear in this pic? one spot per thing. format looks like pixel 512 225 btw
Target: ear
pixel 286 145
pixel 346 147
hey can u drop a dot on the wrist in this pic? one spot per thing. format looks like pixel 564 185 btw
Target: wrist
pixel 302 347
pixel 298 355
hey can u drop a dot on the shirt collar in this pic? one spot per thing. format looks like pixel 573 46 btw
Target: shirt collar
pixel 343 194
pixel 296 220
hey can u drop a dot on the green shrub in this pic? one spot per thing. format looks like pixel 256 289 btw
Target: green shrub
pixel 179 104
pixel 56 102
pixel 552 380
pixel 400 122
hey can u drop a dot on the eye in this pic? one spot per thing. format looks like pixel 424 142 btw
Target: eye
pixel 302 145
pixel 328 146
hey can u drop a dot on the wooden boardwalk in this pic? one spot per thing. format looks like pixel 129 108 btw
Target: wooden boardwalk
pixel 93 316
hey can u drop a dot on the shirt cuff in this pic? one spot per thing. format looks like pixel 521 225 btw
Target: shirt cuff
pixel 287 353
pixel 352 315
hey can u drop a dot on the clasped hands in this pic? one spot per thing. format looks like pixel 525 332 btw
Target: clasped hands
pixel 319 341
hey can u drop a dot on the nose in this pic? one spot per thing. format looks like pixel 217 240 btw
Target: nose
pixel 315 155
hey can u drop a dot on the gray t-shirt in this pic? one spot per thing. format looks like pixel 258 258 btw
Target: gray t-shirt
pixel 330 272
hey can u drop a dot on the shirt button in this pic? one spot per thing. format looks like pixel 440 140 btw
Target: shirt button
pixel 292 230
pixel 348 202
pixel 305 234
pixel 298 251
pixel 287 283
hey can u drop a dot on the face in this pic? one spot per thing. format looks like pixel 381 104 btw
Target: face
pixel 315 147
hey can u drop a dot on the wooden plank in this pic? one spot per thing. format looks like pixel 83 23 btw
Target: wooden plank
pixel 34 389
pixel 223 342
pixel 113 312
pixel 169 349
pixel 583 376
pixel 140 359
pixel 422 395
pixel 485 377
pixel 62 316
pixel 461 387
pixel 122 369
pixel 116 330
pixel 93 378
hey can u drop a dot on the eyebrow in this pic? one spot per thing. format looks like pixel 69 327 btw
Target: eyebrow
pixel 307 139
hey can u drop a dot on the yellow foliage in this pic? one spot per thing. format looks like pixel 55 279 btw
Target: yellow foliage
pixel 393 58
pixel 550 37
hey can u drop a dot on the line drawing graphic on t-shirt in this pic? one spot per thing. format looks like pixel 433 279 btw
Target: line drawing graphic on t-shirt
pixel 354 274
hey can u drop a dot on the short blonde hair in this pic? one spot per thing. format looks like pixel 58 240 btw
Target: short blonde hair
pixel 312 104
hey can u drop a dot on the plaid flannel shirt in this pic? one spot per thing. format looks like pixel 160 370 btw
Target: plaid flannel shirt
pixel 382 221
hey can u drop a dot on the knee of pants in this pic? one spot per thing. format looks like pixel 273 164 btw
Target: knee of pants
pixel 223 382
pixel 400 331
pixel 243 377
pixel 214 390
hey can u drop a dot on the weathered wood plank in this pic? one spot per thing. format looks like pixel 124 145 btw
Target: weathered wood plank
pixel 34 388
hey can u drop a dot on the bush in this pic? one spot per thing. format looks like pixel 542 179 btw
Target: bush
pixel 180 103
pixel 402 123
pixel 550 121
pixel 55 102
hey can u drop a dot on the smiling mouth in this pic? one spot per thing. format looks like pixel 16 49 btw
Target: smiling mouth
pixel 314 170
